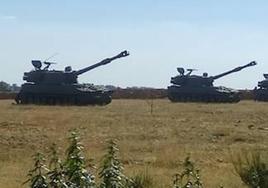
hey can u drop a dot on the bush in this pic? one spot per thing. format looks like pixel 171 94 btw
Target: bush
pixel 37 176
pixel 56 176
pixel 251 168
pixel 143 180
pixel 75 164
pixel 189 178
pixel 111 169
pixel 71 173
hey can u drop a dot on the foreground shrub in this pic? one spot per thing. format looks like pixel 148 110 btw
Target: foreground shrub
pixel 56 175
pixel 252 170
pixel 143 180
pixel 37 176
pixel 72 173
pixel 111 169
pixel 75 164
pixel 189 178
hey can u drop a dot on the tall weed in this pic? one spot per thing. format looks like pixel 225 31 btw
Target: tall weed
pixel 251 168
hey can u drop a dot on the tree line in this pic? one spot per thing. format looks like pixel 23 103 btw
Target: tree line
pixel 5 87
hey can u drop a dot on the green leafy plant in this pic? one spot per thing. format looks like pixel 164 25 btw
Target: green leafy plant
pixel 75 165
pixel 252 170
pixel 56 175
pixel 37 176
pixel 111 171
pixel 189 178
pixel 74 173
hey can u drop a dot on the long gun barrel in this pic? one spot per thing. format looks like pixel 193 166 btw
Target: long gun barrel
pixel 103 62
pixel 252 63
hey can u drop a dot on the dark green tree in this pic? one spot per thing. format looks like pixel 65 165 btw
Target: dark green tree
pixel 4 87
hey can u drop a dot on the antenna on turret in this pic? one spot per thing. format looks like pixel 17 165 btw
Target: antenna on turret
pixel 53 55
pixel 190 71
pixel 49 63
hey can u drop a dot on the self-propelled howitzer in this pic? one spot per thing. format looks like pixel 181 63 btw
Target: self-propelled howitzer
pixel 68 76
pixel 261 91
pixel 187 87
pixel 44 86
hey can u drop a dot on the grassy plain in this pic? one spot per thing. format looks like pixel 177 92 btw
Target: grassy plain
pixel 157 141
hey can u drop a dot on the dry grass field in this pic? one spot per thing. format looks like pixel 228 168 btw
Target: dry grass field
pixel 157 141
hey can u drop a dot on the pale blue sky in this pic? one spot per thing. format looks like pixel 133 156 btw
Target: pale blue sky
pixel 212 36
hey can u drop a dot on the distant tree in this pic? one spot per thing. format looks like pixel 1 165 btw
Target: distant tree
pixel 15 88
pixel 4 87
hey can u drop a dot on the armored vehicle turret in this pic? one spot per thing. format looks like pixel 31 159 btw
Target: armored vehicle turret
pixel 44 86
pixel 261 92
pixel 195 88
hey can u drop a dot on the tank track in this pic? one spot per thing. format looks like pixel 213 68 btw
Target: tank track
pixel 177 96
pixel 28 98
pixel 205 99
pixel 261 95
